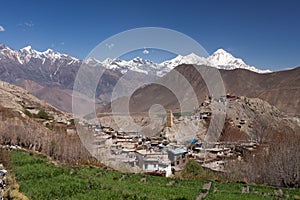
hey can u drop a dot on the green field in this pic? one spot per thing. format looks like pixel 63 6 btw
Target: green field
pixel 42 180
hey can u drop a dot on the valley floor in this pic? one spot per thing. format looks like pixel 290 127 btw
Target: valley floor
pixel 40 179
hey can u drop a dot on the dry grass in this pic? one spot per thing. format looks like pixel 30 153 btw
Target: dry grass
pixel 12 192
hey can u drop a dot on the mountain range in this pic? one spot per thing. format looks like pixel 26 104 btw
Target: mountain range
pixel 220 59
pixel 280 89
pixel 50 75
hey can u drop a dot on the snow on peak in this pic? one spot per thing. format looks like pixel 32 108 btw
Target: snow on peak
pixel 49 51
pixel 221 51
pixel 188 59
pixel 3 47
pixel 27 48
pixel 141 61
pixel 220 59
pixel 223 60
pixel 26 54
pixel 53 55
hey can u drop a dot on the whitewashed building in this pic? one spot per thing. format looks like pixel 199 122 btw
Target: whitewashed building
pixel 151 161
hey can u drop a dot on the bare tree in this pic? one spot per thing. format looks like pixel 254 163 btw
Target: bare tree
pixel 276 163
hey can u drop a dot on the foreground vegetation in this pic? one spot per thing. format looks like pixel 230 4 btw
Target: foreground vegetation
pixel 40 179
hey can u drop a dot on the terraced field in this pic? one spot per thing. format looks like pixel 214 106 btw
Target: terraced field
pixel 40 179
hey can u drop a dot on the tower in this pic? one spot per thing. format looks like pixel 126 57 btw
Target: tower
pixel 169 120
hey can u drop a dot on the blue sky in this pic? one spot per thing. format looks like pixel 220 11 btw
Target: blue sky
pixel 263 33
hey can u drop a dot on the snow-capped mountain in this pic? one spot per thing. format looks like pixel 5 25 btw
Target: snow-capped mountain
pixel 137 64
pixel 188 59
pixel 27 54
pixel 50 75
pixel 224 60
pixel 219 59
pixel 47 68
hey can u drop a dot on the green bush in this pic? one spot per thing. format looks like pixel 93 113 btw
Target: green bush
pixel 49 126
pixel 72 122
pixel 42 114
pixel 194 171
pixel 28 113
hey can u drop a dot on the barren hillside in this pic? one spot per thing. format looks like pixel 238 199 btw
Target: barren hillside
pixel 280 89
pixel 30 123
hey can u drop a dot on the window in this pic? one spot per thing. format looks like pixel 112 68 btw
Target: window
pixel 146 166
pixel 154 166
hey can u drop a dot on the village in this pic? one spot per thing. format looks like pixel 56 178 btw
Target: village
pixel 164 152
pixel 159 154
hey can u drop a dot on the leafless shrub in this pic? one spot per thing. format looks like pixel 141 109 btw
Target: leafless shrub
pixel 275 163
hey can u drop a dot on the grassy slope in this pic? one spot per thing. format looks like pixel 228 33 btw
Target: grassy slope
pixel 39 179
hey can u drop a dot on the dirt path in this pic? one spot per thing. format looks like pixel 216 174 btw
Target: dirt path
pixel 206 187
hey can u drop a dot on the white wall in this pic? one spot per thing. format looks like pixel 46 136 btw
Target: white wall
pixel 150 166
pixel 167 168
pixel 154 166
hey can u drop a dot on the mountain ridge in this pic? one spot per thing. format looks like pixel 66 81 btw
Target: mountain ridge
pixel 280 89
pixel 52 79
pixel 24 54
pixel 220 59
